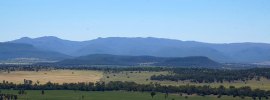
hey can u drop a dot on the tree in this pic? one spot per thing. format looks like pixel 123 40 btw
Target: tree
pixel 219 96
pixel 82 96
pixel 42 92
pixel 242 97
pixel 181 94
pixel 21 92
pixel 15 97
pixel 38 82
pixel 153 94
pixel 166 95
pixel 254 98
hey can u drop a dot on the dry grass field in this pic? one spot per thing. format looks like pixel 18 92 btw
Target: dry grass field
pixel 144 78
pixel 55 76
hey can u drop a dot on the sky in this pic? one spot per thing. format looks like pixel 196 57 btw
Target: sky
pixel 213 21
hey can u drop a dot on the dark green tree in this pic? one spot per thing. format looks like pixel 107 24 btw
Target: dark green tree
pixel 153 94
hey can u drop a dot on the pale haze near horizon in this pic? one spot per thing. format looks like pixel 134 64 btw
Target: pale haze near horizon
pixel 212 21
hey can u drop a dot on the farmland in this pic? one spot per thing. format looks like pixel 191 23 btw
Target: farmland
pixel 89 85
pixel 142 77
pixel 108 95
pixel 55 76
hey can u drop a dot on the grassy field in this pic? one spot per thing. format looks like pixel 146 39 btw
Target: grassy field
pixel 55 76
pixel 71 76
pixel 112 95
pixel 144 77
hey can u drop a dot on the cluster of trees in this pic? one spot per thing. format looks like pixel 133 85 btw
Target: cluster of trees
pixel 132 86
pixel 80 67
pixel 22 92
pixel 10 68
pixel 8 97
pixel 202 75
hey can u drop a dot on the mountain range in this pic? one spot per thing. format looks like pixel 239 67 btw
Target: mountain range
pixel 17 50
pixel 159 47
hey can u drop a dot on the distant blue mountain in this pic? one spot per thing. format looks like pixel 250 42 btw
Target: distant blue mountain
pixel 17 50
pixel 52 44
pixel 233 52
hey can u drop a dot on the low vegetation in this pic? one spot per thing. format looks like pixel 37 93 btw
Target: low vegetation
pixel 55 76
pixel 134 87
pixel 200 75
pixel 144 77
pixel 138 79
pixel 109 95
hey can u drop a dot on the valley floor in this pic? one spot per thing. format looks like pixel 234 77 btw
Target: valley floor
pixel 109 95
pixel 142 77
pixel 54 76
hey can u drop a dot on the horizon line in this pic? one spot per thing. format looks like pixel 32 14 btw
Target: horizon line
pixel 133 37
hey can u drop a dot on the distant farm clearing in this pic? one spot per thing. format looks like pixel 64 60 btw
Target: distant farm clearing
pixel 54 76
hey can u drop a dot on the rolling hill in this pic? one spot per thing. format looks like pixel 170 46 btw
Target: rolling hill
pixel 15 50
pixel 122 60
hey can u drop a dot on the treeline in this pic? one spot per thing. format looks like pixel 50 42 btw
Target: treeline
pixel 153 87
pixel 116 68
pixel 200 75
pixel 99 68
pixel 8 97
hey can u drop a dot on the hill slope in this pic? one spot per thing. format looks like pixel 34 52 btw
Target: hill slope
pixel 15 50
pixel 119 60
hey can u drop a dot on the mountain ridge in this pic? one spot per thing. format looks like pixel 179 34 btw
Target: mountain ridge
pixel 18 50
pixel 126 60
pixel 246 52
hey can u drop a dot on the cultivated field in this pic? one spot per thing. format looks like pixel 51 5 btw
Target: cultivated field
pixel 144 78
pixel 109 95
pixel 55 76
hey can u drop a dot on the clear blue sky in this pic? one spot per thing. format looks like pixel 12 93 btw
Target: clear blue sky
pixel 215 21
